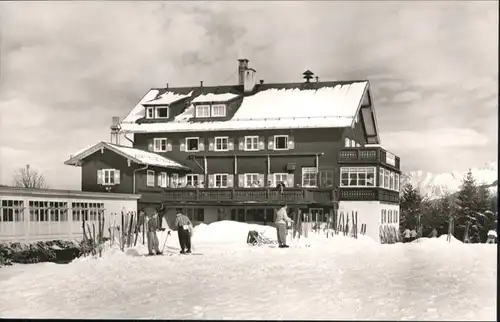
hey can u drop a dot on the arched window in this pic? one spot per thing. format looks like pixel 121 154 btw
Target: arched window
pixel 347 142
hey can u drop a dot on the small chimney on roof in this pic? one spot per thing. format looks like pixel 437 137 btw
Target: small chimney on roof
pixel 246 75
pixel 166 86
pixel 261 81
pixel 201 84
pixel 308 75
pixel 317 79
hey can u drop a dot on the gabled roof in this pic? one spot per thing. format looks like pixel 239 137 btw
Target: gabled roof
pixel 135 155
pixel 269 106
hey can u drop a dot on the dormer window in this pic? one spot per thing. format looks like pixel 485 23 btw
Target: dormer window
pixel 203 111
pixel 162 112
pixel 150 112
pixel 218 110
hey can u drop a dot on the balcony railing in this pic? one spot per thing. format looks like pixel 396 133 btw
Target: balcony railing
pixel 300 195
pixel 367 194
pixel 370 155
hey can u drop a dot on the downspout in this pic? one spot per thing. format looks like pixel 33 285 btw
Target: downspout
pixel 125 136
pixel 133 177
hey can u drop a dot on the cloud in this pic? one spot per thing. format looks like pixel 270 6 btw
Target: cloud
pixel 68 67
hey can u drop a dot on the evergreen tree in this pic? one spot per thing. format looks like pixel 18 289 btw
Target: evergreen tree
pixel 410 207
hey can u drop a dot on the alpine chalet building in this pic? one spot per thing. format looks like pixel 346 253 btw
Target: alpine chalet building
pixel 237 152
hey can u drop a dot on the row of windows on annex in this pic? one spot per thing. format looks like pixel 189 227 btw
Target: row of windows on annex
pixel 311 177
pixel 200 111
pixel 225 143
pixel 389 216
pixel 360 177
pixel 50 211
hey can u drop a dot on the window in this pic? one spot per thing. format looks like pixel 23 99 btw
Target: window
pixel 347 142
pixel 221 143
pixel 281 142
pixel 192 180
pixel 383 216
pixel 391 181
pixel 150 178
pixel 11 211
pixel 160 145
pixel 218 110
pixel 326 178
pixel 251 143
pixel 390 216
pixel 108 176
pixel 162 112
pixel 358 145
pixel 381 178
pixel 357 177
pixel 58 211
pixel 149 112
pixel 203 111
pixel 309 177
pixel 352 144
pixel 397 182
pixel 162 179
pixel 192 144
pixel 221 180
pixel 195 214
pixel 396 219
pixel 280 177
pixel 386 179
pixel 174 180
pixel 251 180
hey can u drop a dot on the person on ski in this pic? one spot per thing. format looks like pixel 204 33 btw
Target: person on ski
pixel 184 230
pixel 413 234
pixel 406 236
pixel 281 221
pixel 152 238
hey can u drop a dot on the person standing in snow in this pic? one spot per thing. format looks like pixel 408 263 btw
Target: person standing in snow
pixel 152 238
pixel 281 221
pixel 413 234
pixel 184 230
pixel 406 236
pixel 492 237
pixel 434 233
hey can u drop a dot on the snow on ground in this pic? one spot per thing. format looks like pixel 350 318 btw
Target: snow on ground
pixel 336 278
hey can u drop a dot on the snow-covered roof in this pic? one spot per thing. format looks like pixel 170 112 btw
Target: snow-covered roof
pixel 138 111
pixel 136 155
pixel 328 106
pixel 167 98
pixel 214 97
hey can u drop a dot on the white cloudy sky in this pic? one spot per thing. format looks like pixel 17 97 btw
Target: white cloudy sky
pixel 68 67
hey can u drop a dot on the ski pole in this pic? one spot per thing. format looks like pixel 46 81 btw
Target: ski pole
pixel 165 243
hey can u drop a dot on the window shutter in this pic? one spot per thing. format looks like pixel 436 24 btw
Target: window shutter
pixel 261 179
pixel 183 181
pixel 241 180
pixel 262 143
pixel 211 180
pixel 201 179
pixel 158 181
pixel 230 144
pixel 289 180
pixel 291 142
pixel 241 143
pixel 211 144
pixel 169 144
pixel 230 180
pixel 150 145
pixel 201 144
pixel 270 143
pixel 117 176
pixel 100 177
pixel 182 145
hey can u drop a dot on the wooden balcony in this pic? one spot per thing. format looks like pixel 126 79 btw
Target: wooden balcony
pixel 371 155
pixel 240 195
pixel 369 194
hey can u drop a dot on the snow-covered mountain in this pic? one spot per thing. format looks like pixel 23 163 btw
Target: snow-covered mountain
pixel 437 185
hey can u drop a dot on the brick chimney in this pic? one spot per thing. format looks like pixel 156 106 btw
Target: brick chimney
pixel 246 76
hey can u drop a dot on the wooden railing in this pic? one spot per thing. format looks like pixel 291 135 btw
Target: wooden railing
pixel 367 194
pixel 370 155
pixel 308 195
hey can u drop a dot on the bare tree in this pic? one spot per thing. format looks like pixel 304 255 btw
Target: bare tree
pixel 29 178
